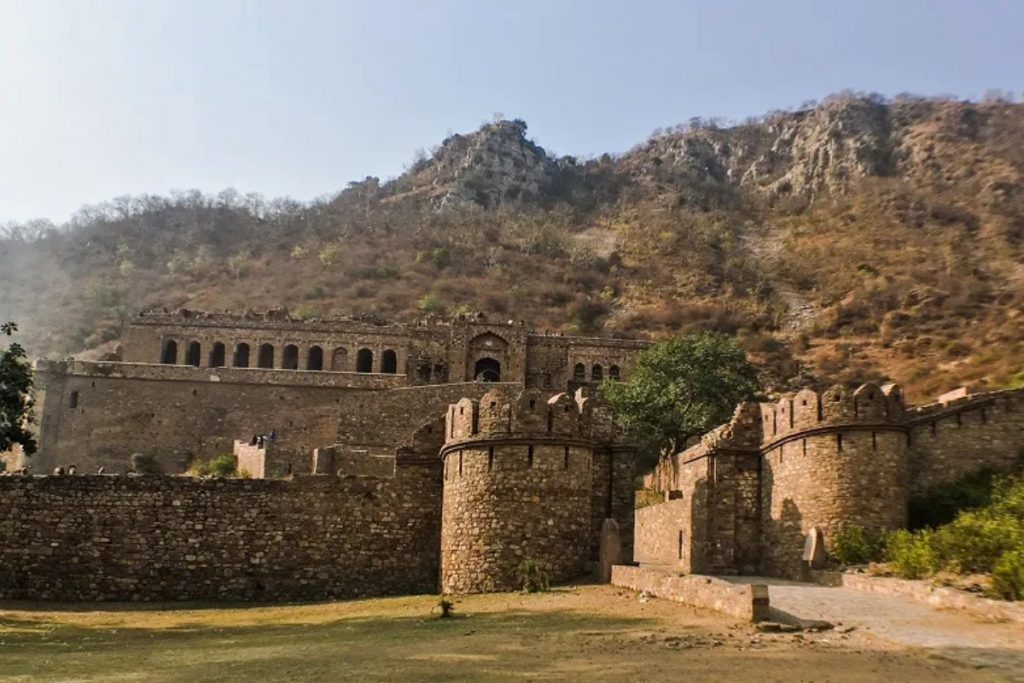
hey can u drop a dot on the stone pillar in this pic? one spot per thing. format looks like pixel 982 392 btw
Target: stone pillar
pixel 610 553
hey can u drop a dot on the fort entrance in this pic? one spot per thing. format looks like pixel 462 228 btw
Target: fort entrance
pixel 487 370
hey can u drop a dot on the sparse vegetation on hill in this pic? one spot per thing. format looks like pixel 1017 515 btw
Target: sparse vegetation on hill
pixel 859 238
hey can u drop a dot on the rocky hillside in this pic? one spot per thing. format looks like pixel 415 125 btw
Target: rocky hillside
pixel 858 239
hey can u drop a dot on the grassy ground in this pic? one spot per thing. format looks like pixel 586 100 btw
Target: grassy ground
pixel 591 633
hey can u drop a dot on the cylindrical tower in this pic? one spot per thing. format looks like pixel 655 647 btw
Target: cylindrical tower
pixel 517 488
pixel 830 461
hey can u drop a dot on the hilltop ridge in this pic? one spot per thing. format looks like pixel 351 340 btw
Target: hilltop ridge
pixel 860 237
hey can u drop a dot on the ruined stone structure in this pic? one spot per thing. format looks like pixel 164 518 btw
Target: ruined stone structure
pixel 745 498
pixel 189 384
pixel 406 459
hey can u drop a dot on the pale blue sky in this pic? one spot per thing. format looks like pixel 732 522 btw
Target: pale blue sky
pixel 107 97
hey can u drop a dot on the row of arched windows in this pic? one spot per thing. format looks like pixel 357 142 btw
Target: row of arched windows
pixel 579 373
pixel 265 357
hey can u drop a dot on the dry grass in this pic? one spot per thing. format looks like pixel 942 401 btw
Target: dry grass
pixel 591 633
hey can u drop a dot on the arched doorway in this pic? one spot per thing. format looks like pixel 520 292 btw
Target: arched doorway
pixel 217 355
pixel 193 354
pixel 315 358
pixel 241 359
pixel 290 357
pixel 266 356
pixel 170 354
pixel 487 370
pixel 389 362
pixel 364 360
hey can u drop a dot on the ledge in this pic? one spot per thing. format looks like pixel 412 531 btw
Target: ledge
pixel 743 601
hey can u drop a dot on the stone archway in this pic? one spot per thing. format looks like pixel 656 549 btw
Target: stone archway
pixel 487 370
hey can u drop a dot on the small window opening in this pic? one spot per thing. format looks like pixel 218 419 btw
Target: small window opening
pixel 529 457
pixel 73 400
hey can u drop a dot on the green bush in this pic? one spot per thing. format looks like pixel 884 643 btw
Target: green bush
pixel 1008 576
pixel 224 465
pixel 531 577
pixel 910 555
pixel 143 463
pixel 988 539
pixel 855 545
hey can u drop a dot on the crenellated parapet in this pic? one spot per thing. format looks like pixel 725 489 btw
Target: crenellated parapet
pixel 502 414
pixel 810 412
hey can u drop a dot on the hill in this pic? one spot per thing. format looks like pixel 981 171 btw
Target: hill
pixel 859 238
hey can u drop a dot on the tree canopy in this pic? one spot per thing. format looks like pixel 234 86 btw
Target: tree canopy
pixel 15 396
pixel 681 388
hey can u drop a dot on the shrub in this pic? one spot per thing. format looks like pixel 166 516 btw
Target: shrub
pixel 143 463
pixel 1008 576
pixel 447 607
pixel 909 554
pixel 224 465
pixel 855 545
pixel 531 577
pixel 430 303
pixel 330 255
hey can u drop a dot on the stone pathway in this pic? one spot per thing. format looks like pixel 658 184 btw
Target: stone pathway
pixel 952 634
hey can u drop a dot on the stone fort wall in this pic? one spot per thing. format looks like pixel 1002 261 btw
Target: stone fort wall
pixel 745 497
pixel 105 537
pixel 520 484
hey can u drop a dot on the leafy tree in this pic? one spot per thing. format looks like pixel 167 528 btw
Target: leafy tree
pixel 681 388
pixel 15 396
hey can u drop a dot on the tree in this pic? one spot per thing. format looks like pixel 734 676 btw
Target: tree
pixel 15 396
pixel 681 388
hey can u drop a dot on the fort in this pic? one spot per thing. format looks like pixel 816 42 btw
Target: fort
pixel 754 496
pixel 405 457
pixel 439 456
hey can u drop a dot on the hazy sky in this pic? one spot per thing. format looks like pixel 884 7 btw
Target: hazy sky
pixel 108 97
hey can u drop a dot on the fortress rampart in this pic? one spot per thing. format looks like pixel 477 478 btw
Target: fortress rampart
pixel 104 537
pixel 746 496
pixel 519 485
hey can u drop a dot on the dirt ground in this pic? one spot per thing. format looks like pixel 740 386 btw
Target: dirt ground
pixel 590 633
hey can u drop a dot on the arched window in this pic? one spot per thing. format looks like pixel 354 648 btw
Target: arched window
pixel 487 370
pixel 613 373
pixel 389 362
pixel 266 357
pixel 241 359
pixel 315 358
pixel 73 400
pixel 217 356
pixel 170 354
pixel 579 373
pixel 193 354
pixel 290 357
pixel 339 360
pixel 596 373
pixel 364 360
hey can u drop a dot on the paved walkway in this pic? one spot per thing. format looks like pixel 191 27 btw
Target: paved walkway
pixel 949 633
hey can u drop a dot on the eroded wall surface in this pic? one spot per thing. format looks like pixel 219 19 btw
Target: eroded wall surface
pixel 178 538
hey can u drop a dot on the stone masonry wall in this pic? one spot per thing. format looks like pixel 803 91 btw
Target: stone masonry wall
pixel 829 480
pixel 951 441
pixel 503 506
pixel 177 538
pixel 662 533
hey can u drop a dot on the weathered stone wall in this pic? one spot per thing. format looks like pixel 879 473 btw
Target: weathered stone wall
pixel 99 414
pixel 952 440
pixel 251 460
pixel 178 538
pixel 829 480
pixel 663 533
pixel 749 602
